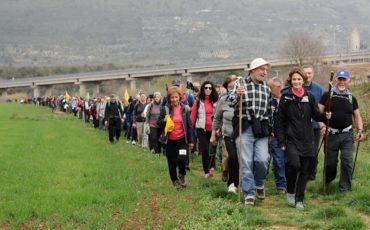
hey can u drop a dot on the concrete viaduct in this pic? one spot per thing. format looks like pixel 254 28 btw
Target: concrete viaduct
pixel 82 79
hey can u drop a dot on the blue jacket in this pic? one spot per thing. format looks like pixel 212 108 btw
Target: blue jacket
pixel 167 109
pixel 317 91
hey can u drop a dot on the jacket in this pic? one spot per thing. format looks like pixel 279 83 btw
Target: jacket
pixel 294 121
pixel 167 109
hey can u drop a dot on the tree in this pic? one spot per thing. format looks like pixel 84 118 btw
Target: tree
pixel 302 48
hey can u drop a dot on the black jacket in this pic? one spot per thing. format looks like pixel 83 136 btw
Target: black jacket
pixel 294 121
pixel 113 110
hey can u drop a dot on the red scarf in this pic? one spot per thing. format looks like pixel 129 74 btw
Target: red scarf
pixel 298 92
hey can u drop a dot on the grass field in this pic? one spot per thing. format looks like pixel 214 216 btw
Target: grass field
pixel 58 173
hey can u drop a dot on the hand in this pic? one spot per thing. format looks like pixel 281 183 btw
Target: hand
pixel 134 125
pixel 191 146
pixel 322 131
pixel 240 90
pixel 165 118
pixel 283 147
pixel 217 132
pixel 328 115
pixel 360 136
pixel 105 123
pixel 213 140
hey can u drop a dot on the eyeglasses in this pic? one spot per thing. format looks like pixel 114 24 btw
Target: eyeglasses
pixel 210 88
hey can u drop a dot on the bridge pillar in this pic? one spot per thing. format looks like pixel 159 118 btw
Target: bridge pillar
pixel 133 85
pixel 96 90
pixel 4 93
pixel 48 91
pixel 82 89
pixel 36 91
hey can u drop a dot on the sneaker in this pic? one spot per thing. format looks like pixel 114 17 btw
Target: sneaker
pixel 299 205
pixel 260 193
pixel 211 171
pixel 127 142
pixel 207 175
pixel 249 201
pixel 290 198
pixel 133 142
pixel 182 181
pixel 232 188
pixel 177 184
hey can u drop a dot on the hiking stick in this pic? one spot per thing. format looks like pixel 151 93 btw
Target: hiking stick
pixel 240 79
pixel 326 134
pixel 354 163
pixel 318 150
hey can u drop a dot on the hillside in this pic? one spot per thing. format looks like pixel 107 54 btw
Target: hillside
pixel 162 32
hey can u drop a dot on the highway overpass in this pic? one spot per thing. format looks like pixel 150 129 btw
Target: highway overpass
pixel 82 79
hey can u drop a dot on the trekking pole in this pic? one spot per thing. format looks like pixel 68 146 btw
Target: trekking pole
pixel 354 163
pixel 326 133
pixel 318 150
pixel 240 80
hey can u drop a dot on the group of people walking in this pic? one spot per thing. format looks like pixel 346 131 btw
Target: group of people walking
pixel 251 119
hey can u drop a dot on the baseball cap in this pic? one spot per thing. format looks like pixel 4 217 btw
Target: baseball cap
pixel 343 74
pixel 176 82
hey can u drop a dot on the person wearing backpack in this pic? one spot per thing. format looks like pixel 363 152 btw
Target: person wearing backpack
pixel 113 116
pixel 345 108
pixel 152 116
pixel 139 119
pixel 178 138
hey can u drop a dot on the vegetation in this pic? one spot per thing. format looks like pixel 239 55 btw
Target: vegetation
pixel 58 173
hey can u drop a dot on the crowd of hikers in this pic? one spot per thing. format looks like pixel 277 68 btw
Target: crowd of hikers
pixel 243 124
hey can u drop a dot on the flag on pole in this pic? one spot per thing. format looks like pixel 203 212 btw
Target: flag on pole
pixel 67 97
pixel 87 96
pixel 126 96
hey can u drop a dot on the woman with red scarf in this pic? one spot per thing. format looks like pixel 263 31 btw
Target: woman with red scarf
pixel 297 108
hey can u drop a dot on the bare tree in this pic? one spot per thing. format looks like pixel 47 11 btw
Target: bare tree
pixel 301 48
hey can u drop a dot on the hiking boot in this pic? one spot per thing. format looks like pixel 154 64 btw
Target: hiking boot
pixel 249 201
pixel 177 184
pixel 225 176
pixel 299 205
pixel 182 181
pixel 232 188
pixel 290 198
pixel 260 193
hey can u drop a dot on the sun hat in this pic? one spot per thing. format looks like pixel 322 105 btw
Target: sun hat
pixel 258 62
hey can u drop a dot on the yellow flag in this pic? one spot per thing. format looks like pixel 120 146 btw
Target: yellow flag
pixel 126 96
pixel 87 96
pixel 67 97
pixel 170 125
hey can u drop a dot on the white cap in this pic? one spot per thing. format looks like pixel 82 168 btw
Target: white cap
pixel 257 63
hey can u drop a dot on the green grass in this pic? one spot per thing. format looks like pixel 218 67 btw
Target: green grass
pixel 58 173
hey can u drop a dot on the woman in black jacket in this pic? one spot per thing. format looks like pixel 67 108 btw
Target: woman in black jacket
pixel 297 108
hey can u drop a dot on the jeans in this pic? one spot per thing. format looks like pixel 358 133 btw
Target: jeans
pixel 255 158
pixel 278 163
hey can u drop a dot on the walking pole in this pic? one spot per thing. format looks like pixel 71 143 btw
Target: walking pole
pixel 326 133
pixel 354 163
pixel 240 79
pixel 322 141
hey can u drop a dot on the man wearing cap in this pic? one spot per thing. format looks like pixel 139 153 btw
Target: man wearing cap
pixel 256 109
pixel 340 137
pixel 317 91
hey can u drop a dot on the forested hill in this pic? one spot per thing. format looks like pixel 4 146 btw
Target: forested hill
pixel 162 32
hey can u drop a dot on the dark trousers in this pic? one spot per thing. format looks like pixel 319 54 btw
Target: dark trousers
pixel 316 143
pixel 173 158
pixel 232 161
pixel 114 128
pixel 203 137
pixel 87 115
pixel 344 143
pixel 297 171
pixel 155 133
pixel 95 122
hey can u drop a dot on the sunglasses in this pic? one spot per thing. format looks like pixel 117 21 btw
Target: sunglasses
pixel 208 88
